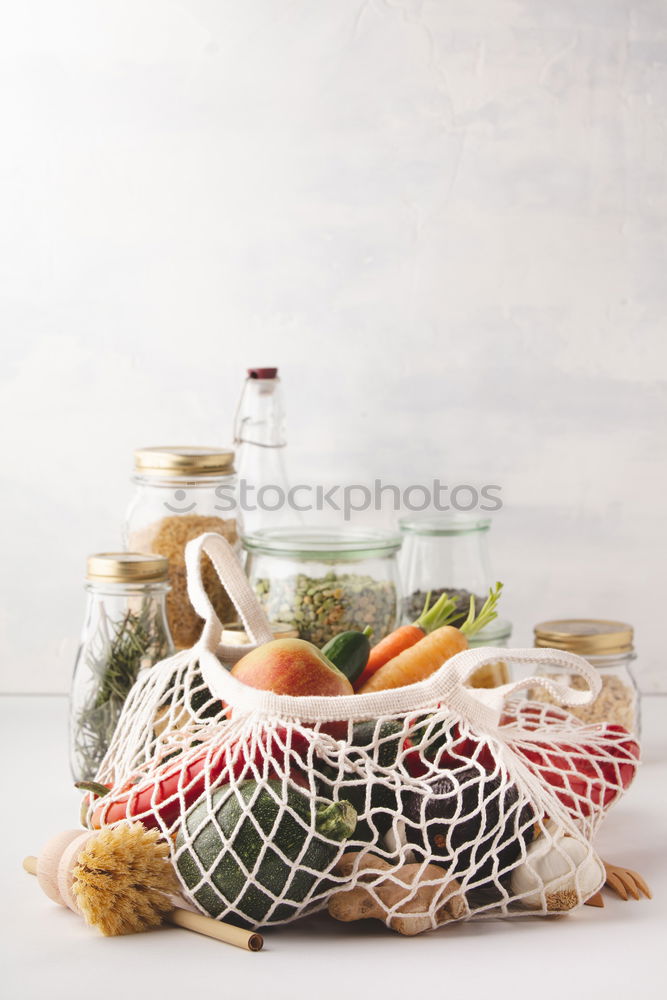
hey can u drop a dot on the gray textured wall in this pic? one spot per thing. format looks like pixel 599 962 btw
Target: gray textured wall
pixel 445 221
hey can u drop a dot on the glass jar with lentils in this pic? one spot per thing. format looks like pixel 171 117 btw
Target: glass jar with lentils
pixel 325 581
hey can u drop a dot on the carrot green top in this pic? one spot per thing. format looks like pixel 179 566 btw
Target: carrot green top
pixel 445 609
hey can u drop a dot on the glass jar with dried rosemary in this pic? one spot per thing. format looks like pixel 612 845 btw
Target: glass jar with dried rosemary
pixel 125 631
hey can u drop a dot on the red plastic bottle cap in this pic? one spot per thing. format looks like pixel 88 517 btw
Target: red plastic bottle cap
pixel 262 372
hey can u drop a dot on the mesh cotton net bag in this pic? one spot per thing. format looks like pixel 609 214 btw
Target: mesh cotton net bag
pixel 420 805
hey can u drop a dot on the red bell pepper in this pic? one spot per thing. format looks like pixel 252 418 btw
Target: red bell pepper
pixel 460 752
pixel 585 777
pixel 160 799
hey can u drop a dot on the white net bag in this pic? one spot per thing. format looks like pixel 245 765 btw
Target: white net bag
pixel 419 805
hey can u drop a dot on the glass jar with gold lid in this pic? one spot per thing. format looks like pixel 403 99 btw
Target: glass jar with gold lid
pixel 125 630
pixel 608 646
pixel 180 493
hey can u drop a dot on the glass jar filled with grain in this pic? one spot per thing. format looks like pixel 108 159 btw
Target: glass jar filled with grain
pixel 326 581
pixel 180 493
pixel 608 646
pixel 125 631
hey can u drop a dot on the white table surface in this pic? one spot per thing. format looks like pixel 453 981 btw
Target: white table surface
pixel 48 953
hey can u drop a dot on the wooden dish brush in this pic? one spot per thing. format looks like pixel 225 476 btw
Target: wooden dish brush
pixel 120 880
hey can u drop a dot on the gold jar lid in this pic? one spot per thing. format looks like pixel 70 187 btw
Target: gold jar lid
pixel 235 634
pixel 126 567
pixel 586 636
pixel 168 461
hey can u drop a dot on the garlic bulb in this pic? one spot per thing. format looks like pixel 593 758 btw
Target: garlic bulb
pixel 395 842
pixel 559 872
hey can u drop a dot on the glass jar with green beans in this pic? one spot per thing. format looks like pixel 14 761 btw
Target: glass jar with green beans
pixel 125 631
pixel 326 581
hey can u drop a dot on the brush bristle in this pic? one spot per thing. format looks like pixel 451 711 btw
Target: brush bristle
pixel 123 879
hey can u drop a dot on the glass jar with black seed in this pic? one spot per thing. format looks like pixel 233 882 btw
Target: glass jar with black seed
pixel 444 553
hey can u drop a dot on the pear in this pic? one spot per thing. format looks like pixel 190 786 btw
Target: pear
pixel 293 667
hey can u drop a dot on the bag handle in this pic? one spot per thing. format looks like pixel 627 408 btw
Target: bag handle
pixel 235 582
pixel 481 706
pixel 484 706
pixel 468 662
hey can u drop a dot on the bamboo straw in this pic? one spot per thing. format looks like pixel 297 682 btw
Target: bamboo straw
pixel 250 940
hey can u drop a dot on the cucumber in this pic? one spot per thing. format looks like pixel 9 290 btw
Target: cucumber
pixel 349 651
pixel 226 836
pixel 375 802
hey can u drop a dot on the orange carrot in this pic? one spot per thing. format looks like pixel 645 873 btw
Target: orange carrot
pixel 424 657
pixel 387 648
pixel 406 636
pixel 418 661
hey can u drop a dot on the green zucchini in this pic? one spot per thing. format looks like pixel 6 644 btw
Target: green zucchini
pixel 227 836
pixel 349 651
pixel 375 802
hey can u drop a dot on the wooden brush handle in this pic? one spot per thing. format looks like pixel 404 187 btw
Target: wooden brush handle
pixel 250 940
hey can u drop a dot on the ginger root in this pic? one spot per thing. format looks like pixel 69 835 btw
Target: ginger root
pixel 409 899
